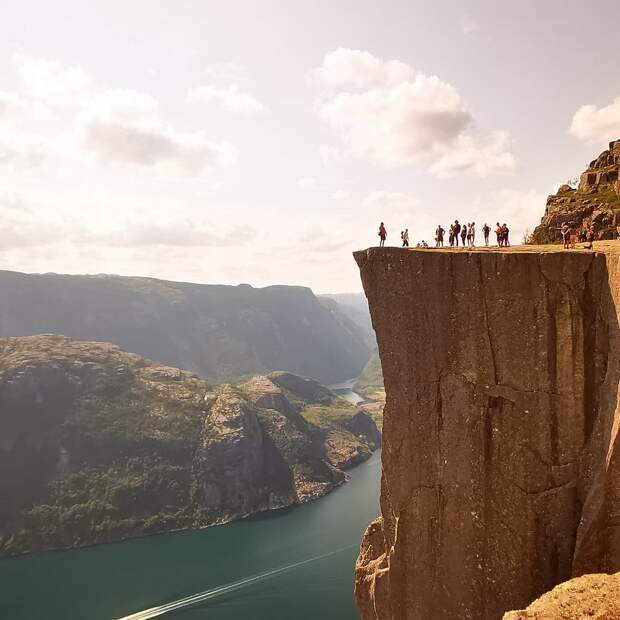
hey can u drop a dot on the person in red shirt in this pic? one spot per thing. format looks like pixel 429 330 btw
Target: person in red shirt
pixel 382 235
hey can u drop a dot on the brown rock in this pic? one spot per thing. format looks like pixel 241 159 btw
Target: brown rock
pixel 501 463
pixel 591 596
pixel 596 200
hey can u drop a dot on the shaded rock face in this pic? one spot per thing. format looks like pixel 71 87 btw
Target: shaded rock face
pixel 99 445
pixel 596 201
pixel 501 463
pixel 223 333
pixel 591 596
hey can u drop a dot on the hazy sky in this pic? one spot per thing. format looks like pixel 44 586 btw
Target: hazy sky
pixel 262 142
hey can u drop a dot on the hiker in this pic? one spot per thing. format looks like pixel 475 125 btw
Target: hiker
pixel 471 234
pixel 505 233
pixel 382 235
pixel 451 236
pixel 439 236
pixel 573 236
pixel 486 229
pixel 589 238
pixel 565 232
pixel 498 232
pixel 457 230
pixel 425 245
pixel 405 237
pixel 463 234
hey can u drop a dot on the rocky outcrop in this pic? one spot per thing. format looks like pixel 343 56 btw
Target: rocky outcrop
pixel 592 596
pixel 596 200
pixel 99 445
pixel 223 333
pixel 501 460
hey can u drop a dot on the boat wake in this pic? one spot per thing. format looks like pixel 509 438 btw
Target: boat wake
pixel 206 595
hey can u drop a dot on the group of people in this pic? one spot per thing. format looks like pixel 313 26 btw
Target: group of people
pixel 570 236
pixel 467 233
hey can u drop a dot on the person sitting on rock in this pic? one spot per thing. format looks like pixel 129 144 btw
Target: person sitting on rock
pixel 382 235
pixel 424 244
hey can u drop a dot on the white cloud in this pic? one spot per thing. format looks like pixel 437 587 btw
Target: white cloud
pixel 230 98
pixel 468 26
pixel 344 67
pixel 341 194
pixel 593 124
pixel 179 233
pixel 389 201
pixel 52 82
pixel 22 152
pixel 225 72
pixel 467 155
pixel 307 184
pixel 520 209
pixel 11 104
pixel 403 118
pixel 125 126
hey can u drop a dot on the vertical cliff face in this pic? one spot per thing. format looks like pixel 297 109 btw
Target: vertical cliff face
pixel 501 460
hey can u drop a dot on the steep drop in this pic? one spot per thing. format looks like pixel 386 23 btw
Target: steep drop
pixel 501 458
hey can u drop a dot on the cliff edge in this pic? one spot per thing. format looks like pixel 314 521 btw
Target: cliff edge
pixel 501 462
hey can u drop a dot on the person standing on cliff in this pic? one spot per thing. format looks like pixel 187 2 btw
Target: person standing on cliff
pixel 382 235
pixel 486 229
pixel 498 232
pixel 471 235
pixel 463 234
pixel 439 236
pixel 405 238
pixel 505 233
pixel 457 230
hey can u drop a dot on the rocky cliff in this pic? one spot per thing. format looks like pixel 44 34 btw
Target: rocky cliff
pixel 596 200
pixel 596 597
pixel 223 333
pixel 98 445
pixel 501 461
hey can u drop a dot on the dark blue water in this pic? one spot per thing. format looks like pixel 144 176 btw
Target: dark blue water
pixel 113 581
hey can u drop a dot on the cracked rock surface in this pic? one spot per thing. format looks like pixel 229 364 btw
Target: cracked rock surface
pixel 500 453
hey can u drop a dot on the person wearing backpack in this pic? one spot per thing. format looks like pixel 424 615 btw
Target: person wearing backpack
pixel 486 229
pixel 382 235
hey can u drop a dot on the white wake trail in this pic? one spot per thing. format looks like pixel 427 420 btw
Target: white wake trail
pixel 206 595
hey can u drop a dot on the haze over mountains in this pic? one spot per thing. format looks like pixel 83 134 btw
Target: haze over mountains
pixel 223 333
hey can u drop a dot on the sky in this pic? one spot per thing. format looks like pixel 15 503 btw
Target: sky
pixel 263 142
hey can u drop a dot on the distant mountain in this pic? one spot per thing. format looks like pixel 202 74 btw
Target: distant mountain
pixel 98 445
pixel 355 307
pixel 223 333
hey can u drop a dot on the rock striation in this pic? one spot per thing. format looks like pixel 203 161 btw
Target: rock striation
pixel 98 445
pixel 596 200
pixel 501 457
